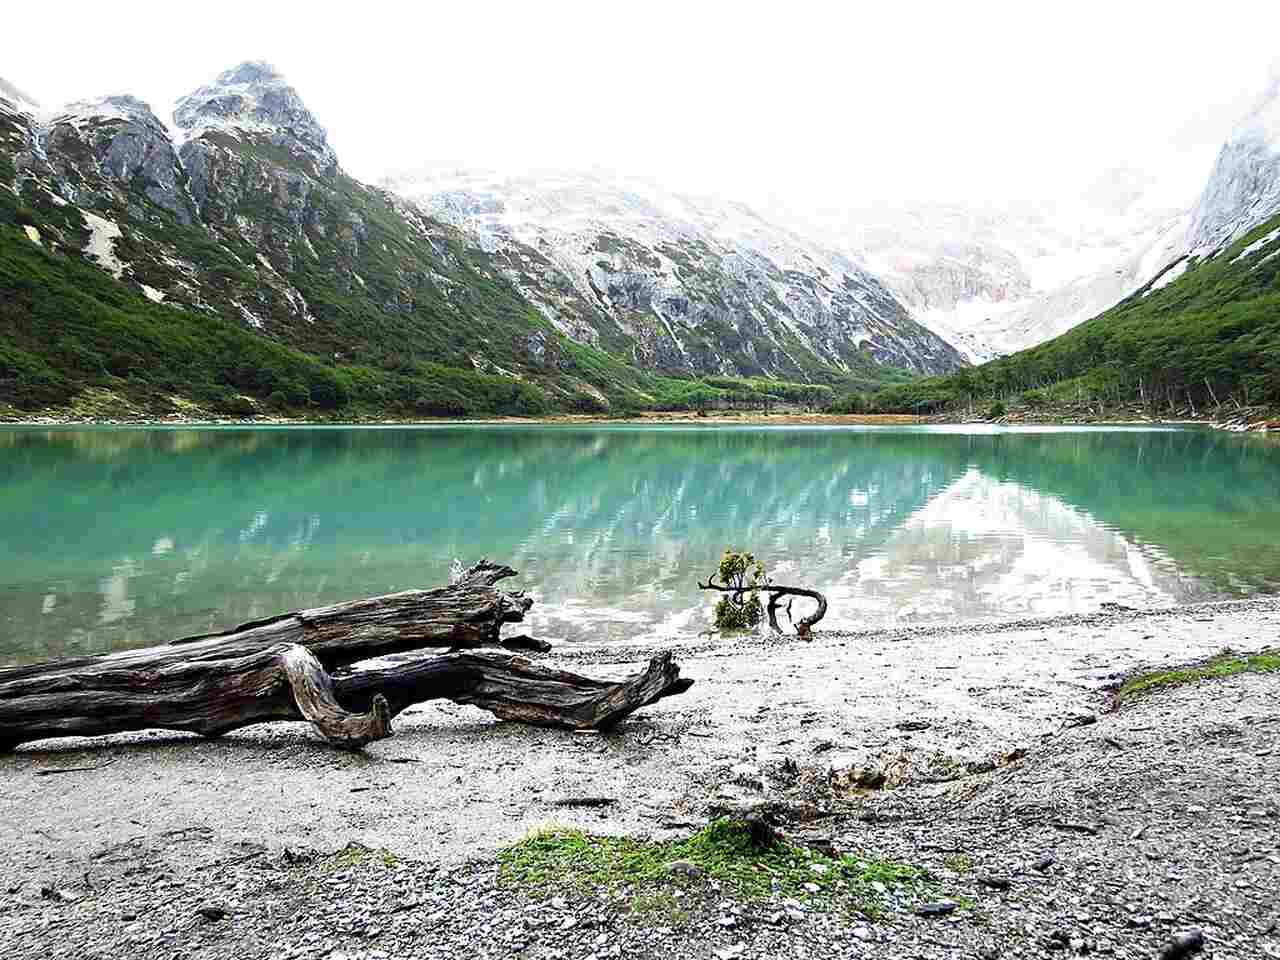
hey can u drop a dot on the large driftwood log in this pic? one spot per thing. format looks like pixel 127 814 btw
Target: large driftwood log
pixel 279 669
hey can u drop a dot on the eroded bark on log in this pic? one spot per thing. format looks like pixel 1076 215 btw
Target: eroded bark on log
pixel 213 697
pixel 511 687
pixel 804 624
pixel 463 615
pixel 279 669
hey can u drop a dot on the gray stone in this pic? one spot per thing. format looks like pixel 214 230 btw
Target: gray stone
pixel 684 868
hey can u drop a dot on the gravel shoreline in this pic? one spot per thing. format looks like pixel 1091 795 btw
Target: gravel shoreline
pixel 1053 825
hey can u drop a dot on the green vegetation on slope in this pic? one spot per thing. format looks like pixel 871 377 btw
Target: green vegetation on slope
pixel 1226 664
pixel 66 324
pixel 1209 338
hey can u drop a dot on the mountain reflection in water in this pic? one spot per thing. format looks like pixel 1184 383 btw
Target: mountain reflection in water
pixel 120 537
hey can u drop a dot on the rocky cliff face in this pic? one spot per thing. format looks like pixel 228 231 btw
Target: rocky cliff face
pixel 677 283
pixel 1244 187
pixel 103 150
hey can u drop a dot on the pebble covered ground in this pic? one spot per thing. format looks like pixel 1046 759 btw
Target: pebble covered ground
pixel 1121 834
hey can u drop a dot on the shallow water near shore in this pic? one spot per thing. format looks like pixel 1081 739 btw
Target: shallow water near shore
pixel 116 537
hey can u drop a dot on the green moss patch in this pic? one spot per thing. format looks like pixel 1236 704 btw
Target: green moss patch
pixel 724 853
pixel 356 854
pixel 1226 664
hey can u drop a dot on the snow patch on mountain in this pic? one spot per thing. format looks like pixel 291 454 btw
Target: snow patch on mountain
pixel 103 234
pixel 124 108
pixel 1257 245
pixel 1169 276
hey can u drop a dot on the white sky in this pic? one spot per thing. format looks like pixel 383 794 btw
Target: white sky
pixel 792 104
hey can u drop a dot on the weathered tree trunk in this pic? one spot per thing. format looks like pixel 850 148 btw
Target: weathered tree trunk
pixel 776 592
pixel 278 669
pixel 804 624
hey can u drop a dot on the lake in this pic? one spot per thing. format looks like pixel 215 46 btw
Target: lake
pixel 116 537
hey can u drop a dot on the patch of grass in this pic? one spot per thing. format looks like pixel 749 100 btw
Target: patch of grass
pixel 958 862
pixel 354 854
pixel 1225 664
pixel 725 853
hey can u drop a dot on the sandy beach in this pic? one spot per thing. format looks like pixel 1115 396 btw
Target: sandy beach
pixel 947 715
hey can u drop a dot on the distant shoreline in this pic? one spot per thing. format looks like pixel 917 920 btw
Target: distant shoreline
pixel 747 418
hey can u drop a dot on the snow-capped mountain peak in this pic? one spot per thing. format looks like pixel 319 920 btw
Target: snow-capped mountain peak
pixel 254 98
pixel 1244 188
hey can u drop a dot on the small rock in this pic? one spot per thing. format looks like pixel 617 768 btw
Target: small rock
pixel 1043 864
pixel 913 725
pixel 871 777
pixel 821 869
pixel 1183 945
pixel 864 933
pixel 939 909
pixel 1076 826
pixel 212 912
pixel 684 868
pixel 995 883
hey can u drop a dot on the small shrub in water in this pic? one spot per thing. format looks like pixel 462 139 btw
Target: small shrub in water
pixel 741 609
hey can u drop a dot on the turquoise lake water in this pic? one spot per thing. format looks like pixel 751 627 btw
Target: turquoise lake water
pixel 120 537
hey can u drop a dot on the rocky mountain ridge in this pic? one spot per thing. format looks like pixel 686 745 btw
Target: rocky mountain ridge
pixel 242 211
pixel 680 283
pixel 247 221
